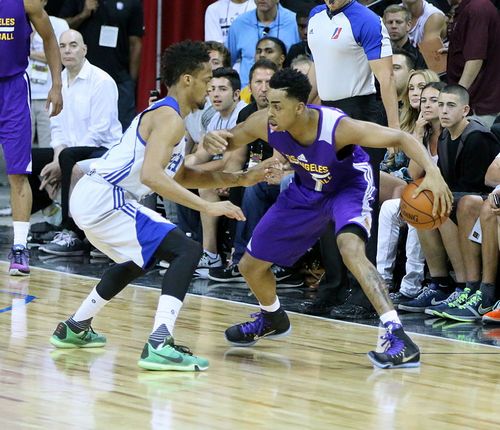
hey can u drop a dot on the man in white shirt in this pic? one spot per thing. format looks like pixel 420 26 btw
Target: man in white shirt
pixel 41 82
pixel 86 128
pixel 224 94
pixel 220 15
pixel 427 21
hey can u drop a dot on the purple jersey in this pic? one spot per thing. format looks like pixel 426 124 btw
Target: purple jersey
pixel 317 166
pixel 15 30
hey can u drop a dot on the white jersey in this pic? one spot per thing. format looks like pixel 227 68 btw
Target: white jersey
pixel 218 122
pixel 121 165
pixel 220 15
pixel 342 45
pixel 416 34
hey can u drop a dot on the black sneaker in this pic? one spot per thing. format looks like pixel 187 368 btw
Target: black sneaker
pixel 318 306
pixel 400 351
pixel 286 277
pixel 271 325
pixel 351 311
pixel 230 274
pixel 65 242
pixel 399 297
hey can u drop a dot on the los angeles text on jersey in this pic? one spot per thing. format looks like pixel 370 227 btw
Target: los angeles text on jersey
pixel 310 167
pixel 7 28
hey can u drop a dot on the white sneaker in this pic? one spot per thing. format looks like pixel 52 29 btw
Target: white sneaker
pixel 206 263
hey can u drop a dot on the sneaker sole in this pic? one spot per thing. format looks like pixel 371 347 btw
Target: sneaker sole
pixel 17 272
pixel 432 312
pixel 238 279
pixel 459 318
pixel 490 319
pixel 408 365
pixel 64 345
pixel 148 365
pixel 270 337
pixel 411 309
pixel 63 253
pixel 294 285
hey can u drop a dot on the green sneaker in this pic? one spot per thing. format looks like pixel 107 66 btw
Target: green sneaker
pixel 170 357
pixel 64 337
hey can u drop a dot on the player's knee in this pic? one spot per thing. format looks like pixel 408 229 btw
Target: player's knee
pixel 249 266
pixel 351 246
pixel 469 206
pixel 195 249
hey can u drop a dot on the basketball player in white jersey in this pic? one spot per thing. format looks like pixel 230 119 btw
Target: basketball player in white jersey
pixel 105 205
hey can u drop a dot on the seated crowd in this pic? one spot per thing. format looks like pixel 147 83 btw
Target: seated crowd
pixel 450 272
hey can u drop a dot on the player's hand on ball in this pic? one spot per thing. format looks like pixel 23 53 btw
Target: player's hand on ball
pixel 443 198
pixel 225 208
pixel 215 142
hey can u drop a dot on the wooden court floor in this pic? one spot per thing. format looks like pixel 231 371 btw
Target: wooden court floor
pixel 318 378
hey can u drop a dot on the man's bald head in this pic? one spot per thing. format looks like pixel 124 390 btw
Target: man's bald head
pixel 73 50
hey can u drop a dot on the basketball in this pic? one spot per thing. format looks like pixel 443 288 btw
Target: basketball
pixel 418 212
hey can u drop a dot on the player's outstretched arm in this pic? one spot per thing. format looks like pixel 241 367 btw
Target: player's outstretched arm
pixel 41 22
pixel 253 128
pixel 352 132
pixel 162 129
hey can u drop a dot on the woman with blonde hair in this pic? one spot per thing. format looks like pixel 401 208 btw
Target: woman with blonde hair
pixel 394 168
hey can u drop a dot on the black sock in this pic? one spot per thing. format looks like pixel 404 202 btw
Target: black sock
pixel 473 285
pixel 78 326
pixel 443 282
pixel 488 294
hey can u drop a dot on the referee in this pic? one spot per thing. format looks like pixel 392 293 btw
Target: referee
pixel 350 47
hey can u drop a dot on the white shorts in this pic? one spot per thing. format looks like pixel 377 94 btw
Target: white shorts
pixel 115 223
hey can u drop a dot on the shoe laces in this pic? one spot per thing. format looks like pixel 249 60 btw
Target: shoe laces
pixel 19 255
pixel 427 292
pixel 182 349
pixel 278 269
pixel 392 343
pixel 460 299
pixel 206 259
pixel 64 239
pixel 87 333
pixel 256 326
pixel 473 300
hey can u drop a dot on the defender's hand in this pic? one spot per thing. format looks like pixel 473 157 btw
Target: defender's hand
pixel 224 208
pixel 215 142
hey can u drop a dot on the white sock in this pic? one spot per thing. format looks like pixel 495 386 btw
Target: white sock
pixel 21 230
pixel 167 312
pixel 271 308
pixel 391 316
pixel 90 306
pixel 211 254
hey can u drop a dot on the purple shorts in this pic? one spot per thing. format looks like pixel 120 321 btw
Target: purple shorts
pixel 15 124
pixel 300 216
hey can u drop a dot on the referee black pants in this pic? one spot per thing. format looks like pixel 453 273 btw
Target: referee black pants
pixel 333 289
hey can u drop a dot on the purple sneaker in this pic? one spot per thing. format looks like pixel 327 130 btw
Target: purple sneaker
pixel 19 261
pixel 266 324
pixel 400 351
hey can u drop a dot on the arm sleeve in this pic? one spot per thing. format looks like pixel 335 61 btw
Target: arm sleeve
pixel 477 160
pixel 104 104
pixel 57 135
pixel 370 33
pixel 232 44
pixel 476 42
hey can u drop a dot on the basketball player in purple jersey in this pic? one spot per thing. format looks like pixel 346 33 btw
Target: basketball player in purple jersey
pixel 333 181
pixel 16 17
